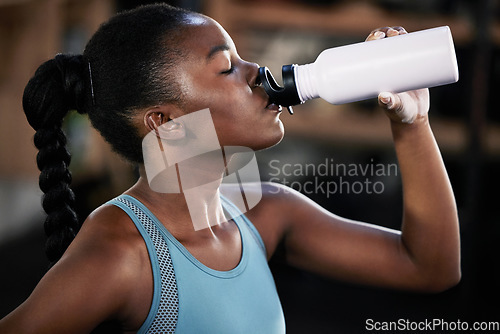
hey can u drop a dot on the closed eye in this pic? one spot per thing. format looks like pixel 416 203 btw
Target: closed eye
pixel 229 71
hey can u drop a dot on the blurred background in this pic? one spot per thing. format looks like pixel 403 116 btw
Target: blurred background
pixel 273 33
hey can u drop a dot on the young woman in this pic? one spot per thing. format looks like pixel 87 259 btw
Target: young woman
pixel 138 261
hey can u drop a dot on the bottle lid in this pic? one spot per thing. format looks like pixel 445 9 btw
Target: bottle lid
pixel 286 96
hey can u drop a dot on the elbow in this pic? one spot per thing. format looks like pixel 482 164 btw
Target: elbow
pixel 440 283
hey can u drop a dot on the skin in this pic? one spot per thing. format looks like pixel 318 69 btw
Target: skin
pixel 106 275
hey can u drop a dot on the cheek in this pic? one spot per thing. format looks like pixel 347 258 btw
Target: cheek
pixel 220 101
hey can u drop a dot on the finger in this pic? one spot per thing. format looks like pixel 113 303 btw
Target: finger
pixel 391 32
pixel 383 32
pixel 388 100
pixel 383 29
pixel 400 30
pixel 399 107
pixel 374 35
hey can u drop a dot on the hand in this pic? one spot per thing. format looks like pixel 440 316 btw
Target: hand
pixel 404 107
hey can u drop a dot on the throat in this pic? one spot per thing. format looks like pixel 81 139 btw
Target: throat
pixel 218 248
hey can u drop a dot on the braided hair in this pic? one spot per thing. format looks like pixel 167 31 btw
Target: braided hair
pixel 127 65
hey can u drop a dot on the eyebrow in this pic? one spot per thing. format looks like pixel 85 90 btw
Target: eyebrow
pixel 217 48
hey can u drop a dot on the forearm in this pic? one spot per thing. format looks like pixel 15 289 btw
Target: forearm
pixel 430 232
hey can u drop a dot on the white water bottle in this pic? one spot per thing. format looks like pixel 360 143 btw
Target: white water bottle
pixel 361 71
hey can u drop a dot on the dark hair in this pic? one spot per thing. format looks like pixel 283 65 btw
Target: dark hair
pixel 127 65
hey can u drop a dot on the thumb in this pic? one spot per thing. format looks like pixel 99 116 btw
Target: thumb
pixel 396 108
pixel 389 101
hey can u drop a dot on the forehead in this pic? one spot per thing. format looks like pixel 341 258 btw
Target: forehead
pixel 202 34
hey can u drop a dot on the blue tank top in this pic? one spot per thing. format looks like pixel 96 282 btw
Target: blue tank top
pixel 190 297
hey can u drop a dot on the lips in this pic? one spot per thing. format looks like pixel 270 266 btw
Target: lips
pixel 274 107
pixel 259 90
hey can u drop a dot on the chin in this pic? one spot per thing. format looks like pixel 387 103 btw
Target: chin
pixel 271 140
pixel 254 140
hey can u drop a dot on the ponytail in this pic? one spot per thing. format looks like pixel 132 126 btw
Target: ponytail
pixel 57 87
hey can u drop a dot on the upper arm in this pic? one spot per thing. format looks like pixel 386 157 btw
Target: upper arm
pixel 86 287
pixel 322 242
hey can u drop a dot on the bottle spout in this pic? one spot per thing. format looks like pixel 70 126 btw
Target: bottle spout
pixel 286 96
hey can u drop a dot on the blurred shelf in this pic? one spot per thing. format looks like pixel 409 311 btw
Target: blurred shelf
pixel 30 33
pixel 335 19
pixel 12 2
pixel 350 127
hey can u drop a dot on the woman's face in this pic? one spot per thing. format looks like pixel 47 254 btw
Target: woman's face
pixel 214 76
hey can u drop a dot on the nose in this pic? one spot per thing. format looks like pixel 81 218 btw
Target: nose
pixel 253 75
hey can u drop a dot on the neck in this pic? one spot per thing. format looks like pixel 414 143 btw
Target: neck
pixel 186 206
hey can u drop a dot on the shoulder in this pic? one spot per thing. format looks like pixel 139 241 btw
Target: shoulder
pixel 104 274
pixel 280 201
pixel 277 206
pixel 109 239
pixel 109 222
pixel 111 257
pixel 110 244
pixel 107 229
pixel 266 195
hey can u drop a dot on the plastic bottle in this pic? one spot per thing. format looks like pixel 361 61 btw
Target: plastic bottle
pixel 361 71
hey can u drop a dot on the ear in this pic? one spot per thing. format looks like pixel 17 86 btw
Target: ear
pixel 158 119
pixel 153 120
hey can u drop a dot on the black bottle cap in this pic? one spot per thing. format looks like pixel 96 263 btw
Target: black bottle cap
pixel 286 96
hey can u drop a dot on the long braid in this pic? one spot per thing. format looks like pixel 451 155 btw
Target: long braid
pixel 58 200
pixel 55 89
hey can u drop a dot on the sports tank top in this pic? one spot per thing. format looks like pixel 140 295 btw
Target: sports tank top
pixel 190 297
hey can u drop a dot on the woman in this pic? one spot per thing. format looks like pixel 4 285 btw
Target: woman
pixel 138 261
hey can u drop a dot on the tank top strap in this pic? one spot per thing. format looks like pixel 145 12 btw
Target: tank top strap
pixel 163 314
pixel 236 214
